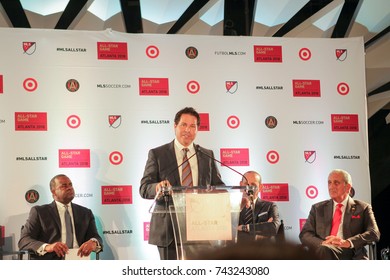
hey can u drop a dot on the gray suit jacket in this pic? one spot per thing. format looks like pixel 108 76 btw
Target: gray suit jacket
pixel 44 226
pixel 263 211
pixel 161 165
pixel 359 225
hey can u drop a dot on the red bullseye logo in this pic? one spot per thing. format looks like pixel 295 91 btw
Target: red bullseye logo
pixel 343 88
pixel 116 158
pixel 152 51
pixel 193 87
pixel 30 84
pixel 305 54
pixel 233 122
pixel 311 192
pixel 73 121
pixel 273 157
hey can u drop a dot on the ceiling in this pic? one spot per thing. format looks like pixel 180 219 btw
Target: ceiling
pixel 369 19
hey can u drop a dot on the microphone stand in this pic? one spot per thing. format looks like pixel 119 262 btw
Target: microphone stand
pixel 165 192
pixel 250 191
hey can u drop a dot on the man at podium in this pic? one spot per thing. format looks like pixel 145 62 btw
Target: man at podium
pixel 259 219
pixel 180 162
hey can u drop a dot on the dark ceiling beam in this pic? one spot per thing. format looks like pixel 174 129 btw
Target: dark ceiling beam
pixel 382 88
pixel 70 13
pixel 238 17
pixel 346 18
pixel 378 36
pixel 15 13
pixel 312 7
pixel 192 10
pixel 131 10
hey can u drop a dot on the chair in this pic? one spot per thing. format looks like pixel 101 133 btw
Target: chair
pixel 31 254
pixel 3 252
pixel 372 251
pixel 280 237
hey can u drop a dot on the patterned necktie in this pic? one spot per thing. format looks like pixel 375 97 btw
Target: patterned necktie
pixel 248 215
pixel 336 220
pixel 186 170
pixel 69 228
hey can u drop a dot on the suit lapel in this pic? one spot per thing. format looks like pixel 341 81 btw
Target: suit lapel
pixel 170 158
pixel 56 216
pixel 76 215
pixel 328 216
pixel 349 209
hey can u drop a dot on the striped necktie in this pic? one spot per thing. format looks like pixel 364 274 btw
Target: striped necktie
pixel 186 170
pixel 248 215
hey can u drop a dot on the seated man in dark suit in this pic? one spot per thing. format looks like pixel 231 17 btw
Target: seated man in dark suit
pixel 340 227
pixel 259 219
pixel 52 229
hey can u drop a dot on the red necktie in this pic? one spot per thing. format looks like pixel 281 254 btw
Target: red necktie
pixel 336 220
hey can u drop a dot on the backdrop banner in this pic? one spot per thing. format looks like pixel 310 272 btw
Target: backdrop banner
pixel 91 104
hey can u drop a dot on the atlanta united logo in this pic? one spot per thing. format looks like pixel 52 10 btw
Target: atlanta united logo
pixel 341 54
pixel 271 122
pixel 72 85
pixel 191 52
pixel 31 196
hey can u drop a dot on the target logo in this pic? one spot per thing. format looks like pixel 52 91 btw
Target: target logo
pixel 273 157
pixel 305 54
pixel 193 87
pixel 30 84
pixel 311 192
pixel 233 122
pixel 116 158
pixel 343 88
pixel 152 51
pixel 73 121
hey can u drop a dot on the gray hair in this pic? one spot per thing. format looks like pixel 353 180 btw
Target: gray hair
pixel 346 176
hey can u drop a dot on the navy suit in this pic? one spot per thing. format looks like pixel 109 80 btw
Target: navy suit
pixel 161 165
pixel 262 212
pixel 44 226
pixel 359 226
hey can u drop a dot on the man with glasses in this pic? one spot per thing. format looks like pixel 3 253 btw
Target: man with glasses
pixel 178 163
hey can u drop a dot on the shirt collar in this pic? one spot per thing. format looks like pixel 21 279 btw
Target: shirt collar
pixel 181 147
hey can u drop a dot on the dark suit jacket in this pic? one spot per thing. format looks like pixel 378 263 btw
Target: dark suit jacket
pixel 161 165
pixel 359 225
pixel 263 211
pixel 44 226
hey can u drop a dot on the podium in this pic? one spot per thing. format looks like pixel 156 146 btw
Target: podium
pixel 203 218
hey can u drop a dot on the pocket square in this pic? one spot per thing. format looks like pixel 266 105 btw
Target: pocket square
pixel 356 217
pixel 262 213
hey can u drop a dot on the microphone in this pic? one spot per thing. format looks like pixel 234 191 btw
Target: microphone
pixel 242 175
